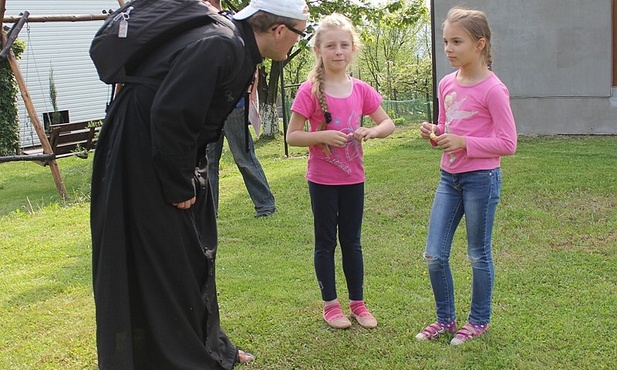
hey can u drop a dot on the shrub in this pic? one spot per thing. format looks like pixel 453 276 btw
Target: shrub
pixel 9 121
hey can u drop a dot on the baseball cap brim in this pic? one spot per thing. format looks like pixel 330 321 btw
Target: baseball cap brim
pixel 294 9
pixel 245 13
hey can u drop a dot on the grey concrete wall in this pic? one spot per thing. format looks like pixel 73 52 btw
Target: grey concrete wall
pixel 555 57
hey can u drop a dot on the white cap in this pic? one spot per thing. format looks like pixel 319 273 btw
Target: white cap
pixel 295 9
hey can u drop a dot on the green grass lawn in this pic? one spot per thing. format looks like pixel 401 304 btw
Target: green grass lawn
pixel 555 238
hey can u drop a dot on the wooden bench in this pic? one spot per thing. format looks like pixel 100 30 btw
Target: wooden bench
pixel 68 139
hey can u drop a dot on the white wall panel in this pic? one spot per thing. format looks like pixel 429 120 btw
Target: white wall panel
pixel 64 47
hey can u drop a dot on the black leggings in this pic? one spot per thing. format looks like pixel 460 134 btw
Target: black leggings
pixel 338 207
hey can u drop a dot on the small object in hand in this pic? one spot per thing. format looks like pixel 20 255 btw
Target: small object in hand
pixel 433 136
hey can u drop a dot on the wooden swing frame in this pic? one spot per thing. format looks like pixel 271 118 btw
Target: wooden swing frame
pixel 48 155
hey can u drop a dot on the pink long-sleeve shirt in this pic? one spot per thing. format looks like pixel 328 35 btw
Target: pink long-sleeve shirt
pixel 482 114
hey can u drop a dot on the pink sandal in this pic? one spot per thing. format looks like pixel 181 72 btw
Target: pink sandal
pixel 334 316
pixel 362 315
pixel 467 333
pixel 435 330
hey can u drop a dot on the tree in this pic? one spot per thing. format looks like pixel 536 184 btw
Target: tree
pixel 363 13
pixel 393 48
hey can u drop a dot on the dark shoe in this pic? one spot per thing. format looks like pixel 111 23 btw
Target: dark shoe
pixel 265 213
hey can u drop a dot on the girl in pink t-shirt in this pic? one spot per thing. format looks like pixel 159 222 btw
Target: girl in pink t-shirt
pixel 333 103
pixel 475 129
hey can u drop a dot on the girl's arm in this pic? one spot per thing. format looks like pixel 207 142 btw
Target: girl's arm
pixel 296 135
pixel 504 139
pixel 385 126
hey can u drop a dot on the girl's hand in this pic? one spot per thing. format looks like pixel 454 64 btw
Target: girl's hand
pixel 364 134
pixel 335 138
pixel 384 126
pixel 451 142
pixel 428 131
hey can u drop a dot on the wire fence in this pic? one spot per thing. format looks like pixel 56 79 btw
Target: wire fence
pixel 401 111
pixel 409 110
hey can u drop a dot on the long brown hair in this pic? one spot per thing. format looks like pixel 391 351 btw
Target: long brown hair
pixel 475 23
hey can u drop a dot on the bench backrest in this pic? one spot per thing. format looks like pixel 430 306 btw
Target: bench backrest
pixel 64 138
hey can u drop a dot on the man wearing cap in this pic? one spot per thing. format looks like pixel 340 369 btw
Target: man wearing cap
pixel 242 148
pixel 153 224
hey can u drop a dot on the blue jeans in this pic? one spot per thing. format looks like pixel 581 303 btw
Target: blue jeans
pixel 474 195
pixel 246 160
pixel 338 207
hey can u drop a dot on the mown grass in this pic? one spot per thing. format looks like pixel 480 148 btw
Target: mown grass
pixel 554 248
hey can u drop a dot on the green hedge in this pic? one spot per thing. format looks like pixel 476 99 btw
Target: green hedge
pixel 9 121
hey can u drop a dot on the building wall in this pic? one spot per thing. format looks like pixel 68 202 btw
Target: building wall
pixel 614 43
pixel 64 47
pixel 554 55
pixel 556 58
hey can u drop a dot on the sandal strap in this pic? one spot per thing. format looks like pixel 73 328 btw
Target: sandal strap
pixel 432 329
pixel 359 309
pixel 468 331
pixel 465 332
pixel 333 312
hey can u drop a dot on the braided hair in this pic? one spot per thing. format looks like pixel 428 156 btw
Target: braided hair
pixel 317 75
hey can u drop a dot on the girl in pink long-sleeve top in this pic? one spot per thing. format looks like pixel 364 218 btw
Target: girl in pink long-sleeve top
pixel 475 129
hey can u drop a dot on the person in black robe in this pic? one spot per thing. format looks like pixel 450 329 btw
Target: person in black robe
pixel 153 224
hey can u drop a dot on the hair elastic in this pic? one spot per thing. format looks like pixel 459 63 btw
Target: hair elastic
pixel 328 116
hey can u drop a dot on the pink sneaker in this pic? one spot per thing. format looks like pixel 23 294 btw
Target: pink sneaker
pixel 334 316
pixel 435 330
pixel 467 333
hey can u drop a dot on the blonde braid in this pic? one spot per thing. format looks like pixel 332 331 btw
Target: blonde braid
pixel 333 21
pixel 317 77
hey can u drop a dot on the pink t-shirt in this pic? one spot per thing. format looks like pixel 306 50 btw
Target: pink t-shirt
pixel 344 166
pixel 482 114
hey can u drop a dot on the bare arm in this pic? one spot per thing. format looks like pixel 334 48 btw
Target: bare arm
pixel 385 126
pixel 296 135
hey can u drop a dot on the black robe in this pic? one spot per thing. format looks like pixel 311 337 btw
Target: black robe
pixel 153 264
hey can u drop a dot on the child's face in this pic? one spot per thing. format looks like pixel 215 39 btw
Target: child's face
pixel 461 50
pixel 336 49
